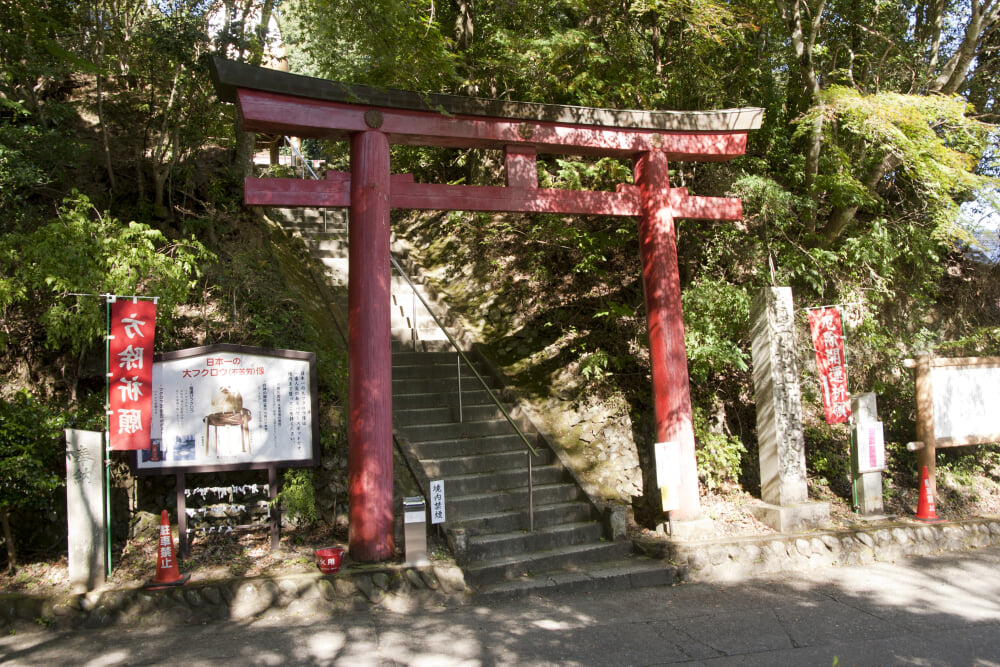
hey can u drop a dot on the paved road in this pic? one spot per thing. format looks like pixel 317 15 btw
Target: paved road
pixel 941 610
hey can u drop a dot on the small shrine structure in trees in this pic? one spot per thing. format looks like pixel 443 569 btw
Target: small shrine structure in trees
pixel 372 119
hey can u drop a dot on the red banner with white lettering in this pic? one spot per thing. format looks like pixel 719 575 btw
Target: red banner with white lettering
pixel 130 373
pixel 828 341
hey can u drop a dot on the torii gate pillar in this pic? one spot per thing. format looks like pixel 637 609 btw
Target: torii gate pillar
pixel 369 345
pixel 668 355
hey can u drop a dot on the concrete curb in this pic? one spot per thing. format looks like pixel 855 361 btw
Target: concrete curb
pixel 731 559
pixel 407 589
pixel 395 588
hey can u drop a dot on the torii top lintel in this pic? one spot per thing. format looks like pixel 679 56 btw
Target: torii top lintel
pixel 280 103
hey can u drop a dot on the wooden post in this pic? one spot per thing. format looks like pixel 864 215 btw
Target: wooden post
pixel 671 393
pixel 369 352
pixel 182 537
pixel 925 421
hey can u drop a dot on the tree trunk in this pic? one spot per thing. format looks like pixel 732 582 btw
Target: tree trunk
pixel 8 537
pixel 953 73
pixel 842 216
pixel 802 33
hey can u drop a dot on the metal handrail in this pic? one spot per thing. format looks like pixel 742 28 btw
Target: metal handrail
pixel 305 165
pixel 302 159
pixel 531 450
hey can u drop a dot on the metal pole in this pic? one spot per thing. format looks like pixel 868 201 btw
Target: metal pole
pixel 531 497
pixel 461 415
pixel 413 316
pixel 107 433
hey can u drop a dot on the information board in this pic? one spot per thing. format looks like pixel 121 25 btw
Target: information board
pixel 965 404
pixel 231 407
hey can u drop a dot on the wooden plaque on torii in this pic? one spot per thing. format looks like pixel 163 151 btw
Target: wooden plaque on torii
pixel 372 119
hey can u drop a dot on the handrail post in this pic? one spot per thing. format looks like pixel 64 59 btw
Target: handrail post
pixel 413 318
pixel 461 413
pixel 531 497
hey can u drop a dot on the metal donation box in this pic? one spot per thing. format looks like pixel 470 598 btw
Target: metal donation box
pixel 415 530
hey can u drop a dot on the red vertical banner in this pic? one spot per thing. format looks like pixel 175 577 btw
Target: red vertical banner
pixel 828 341
pixel 130 372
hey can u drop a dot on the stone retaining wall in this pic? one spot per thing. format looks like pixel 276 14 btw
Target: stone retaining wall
pixel 731 559
pixel 306 595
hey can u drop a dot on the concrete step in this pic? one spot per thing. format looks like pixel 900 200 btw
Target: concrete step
pixel 403 332
pixel 489 573
pixel 475 483
pixel 488 444
pixel 423 346
pixel 470 396
pixel 502 545
pixel 303 216
pixel 480 463
pixel 406 386
pixel 517 519
pixel 583 577
pixel 446 370
pixel 330 245
pixel 459 507
pixel 459 431
pixel 444 415
pixel 423 359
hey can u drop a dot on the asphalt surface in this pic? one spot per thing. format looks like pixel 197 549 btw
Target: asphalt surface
pixel 938 610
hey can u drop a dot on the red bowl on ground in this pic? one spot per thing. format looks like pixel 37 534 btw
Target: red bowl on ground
pixel 329 559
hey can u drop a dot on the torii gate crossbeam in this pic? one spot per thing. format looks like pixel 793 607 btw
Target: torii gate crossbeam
pixel 373 119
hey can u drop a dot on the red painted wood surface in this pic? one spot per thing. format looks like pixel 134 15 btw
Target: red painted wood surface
pixel 335 192
pixel 369 351
pixel 298 116
pixel 668 355
pixel 521 167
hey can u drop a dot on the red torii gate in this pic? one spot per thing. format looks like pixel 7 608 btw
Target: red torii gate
pixel 372 119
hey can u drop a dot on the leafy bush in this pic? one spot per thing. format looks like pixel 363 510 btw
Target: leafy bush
pixel 718 454
pixel 31 450
pixel 297 496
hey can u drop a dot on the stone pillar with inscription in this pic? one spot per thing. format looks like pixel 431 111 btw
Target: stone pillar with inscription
pixel 780 436
pixel 85 509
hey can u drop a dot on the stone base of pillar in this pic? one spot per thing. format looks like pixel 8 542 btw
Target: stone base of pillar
pixel 689 531
pixel 793 518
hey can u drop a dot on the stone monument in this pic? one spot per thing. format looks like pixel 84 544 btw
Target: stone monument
pixel 85 509
pixel 785 505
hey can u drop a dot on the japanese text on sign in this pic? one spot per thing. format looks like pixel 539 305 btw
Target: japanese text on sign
pixel 828 342
pixel 130 387
pixel 231 406
pixel 437 501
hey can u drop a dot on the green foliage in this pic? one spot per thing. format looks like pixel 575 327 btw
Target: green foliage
pixel 397 43
pixel 31 157
pixel 716 325
pixel 31 450
pixel 934 139
pixel 828 455
pixel 718 454
pixel 85 252
pixel 297 496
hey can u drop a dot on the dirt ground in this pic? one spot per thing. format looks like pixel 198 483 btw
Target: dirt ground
pixel 249 554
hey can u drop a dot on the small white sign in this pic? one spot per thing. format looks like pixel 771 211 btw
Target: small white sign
pixel 871 447
pixel 437 501
pixel 668 473
pixel 414 517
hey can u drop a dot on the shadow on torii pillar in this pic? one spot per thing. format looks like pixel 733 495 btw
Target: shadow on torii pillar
pixel 372 118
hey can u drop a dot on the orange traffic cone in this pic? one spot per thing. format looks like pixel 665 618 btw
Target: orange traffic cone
pixel 925 505
pixel 167 573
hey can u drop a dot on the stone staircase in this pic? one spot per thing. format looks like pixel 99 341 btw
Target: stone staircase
pixel 449 428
